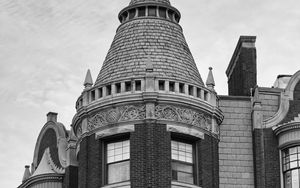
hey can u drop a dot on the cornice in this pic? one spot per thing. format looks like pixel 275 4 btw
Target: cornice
pixel 42 179
pixel 286 127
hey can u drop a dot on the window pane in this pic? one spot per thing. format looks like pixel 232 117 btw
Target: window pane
pixel 182 152
pixel 118 172
pixel 110 159
pixel 118 151
pixel 126 156
pixel 185 177
pixel 177 166
pixel 293 157
pixel 293 150
pixel 126 150
pixel 288 180
pixel 126 143
pixel 293 164
pixel 110 153
pixel 118 158
pixel 110 146
pixel 182 172
pixel 295 178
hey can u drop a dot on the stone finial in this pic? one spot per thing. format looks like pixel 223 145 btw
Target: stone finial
pixel 210 82
pixel 88 82
pixel 27 173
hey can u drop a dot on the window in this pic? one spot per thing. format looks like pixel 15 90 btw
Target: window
pixel 172 86
pixel 132 13
pixel 291 167
pixel 162 12
pixel 199 92
pixel 152 11
pixel 138 85
pixel 118 87
pixel 118 161
pixel 182 162
pixel 191 90
pixel 141 11
pixel 108 90
pixel 181 87
pixel 100 93
pixel 127 86
pixel 93 95
pixel 161 85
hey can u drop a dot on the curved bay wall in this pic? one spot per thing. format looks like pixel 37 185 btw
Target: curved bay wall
pixel 150 158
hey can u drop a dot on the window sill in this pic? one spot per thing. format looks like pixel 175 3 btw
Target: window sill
pixel 176 184
pixel 118 185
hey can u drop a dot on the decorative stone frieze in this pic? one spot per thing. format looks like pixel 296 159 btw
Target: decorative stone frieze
pixel 115 115
pixel 183 115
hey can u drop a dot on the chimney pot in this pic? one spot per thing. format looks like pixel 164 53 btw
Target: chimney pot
pixel 52 116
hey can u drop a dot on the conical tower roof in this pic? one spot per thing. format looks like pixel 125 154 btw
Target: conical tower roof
pixel 149 29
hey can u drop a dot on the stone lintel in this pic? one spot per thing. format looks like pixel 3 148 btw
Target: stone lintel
pixel 193 131
pixel 114 130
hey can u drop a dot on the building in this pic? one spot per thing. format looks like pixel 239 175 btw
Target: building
pixel 150 121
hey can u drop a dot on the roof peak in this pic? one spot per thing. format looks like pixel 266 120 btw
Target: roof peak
pixel 133 2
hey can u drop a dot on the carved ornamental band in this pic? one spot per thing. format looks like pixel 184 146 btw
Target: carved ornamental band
pixel 115 115
pixel 138 112
pixel 183 115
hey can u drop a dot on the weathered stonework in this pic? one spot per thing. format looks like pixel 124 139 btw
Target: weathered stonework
pixel 183 115
pixel 118 114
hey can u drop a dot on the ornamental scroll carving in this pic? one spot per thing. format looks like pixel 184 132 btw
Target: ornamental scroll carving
pixel 183 115
pixel 115 115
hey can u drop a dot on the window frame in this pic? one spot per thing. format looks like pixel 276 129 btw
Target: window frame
pixel 195 163
pixel 285 156
pixel 113 139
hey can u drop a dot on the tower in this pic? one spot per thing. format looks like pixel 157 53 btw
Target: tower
pixel 148 120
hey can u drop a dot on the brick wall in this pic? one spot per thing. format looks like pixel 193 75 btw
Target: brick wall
pixel 150 156
pixel 243 76
pixel 208 162
pixel 267 164
pixel 71 177
pixel 235 147
pixel 297 91
pixel 90 163
pixel 294 109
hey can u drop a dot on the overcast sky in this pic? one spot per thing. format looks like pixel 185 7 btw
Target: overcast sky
pixel 47 46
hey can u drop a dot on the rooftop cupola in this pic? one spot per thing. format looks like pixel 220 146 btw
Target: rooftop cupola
pixel 133 2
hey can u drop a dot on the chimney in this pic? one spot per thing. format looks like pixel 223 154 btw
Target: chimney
pixel 241 72
pixel 52 116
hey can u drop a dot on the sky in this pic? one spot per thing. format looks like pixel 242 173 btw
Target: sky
pixel 46 48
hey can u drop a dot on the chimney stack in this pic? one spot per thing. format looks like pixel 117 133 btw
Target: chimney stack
pixel 241 72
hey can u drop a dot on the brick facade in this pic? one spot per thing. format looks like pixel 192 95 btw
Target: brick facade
pixel 71 177
pixel 208 162
pixel 90 163
pixel 267 161
pixel 242 68
pixel 150 156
